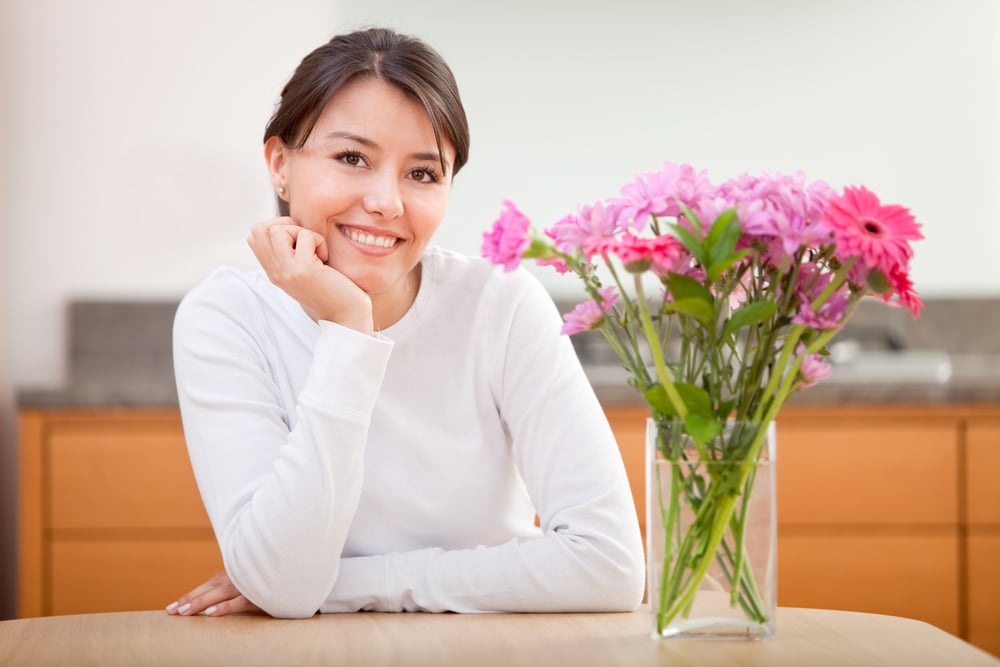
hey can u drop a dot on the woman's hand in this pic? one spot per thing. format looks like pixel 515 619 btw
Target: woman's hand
pixel 215 597
pixel 294 258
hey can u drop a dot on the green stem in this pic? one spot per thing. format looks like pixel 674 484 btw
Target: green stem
pixel 661 365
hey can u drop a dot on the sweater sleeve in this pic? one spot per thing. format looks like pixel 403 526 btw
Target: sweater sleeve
pixel 280 499
pixel 589 557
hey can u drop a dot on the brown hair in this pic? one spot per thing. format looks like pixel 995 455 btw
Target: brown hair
pixel 403 61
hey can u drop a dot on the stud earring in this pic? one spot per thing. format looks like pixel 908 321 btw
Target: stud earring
pixel 281 191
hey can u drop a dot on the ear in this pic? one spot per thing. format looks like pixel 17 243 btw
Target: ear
pixel 276 156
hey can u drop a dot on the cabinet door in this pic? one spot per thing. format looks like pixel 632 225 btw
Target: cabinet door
pixel 984 591
pixel 909 575
pixel 127 574
pixel 867 471
pixel 982 472
pixel 121 473
pixel 629 425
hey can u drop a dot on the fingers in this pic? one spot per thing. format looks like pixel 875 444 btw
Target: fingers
pixel 216 597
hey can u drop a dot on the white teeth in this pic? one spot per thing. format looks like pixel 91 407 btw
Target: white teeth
pixel 370 239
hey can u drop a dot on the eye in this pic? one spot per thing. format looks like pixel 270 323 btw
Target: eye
pixel 424 175
pixel 351 158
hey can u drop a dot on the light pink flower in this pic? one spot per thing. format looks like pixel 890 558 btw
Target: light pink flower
pixel 813 369
pixel 572 232
pixel 660 193
pixel 877 235
pixel 831 312
pixel 783 209
pixel 587 315
pixel 509 238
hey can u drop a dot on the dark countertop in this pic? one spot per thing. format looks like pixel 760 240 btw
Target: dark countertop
pixel 120 357
pixel 973 381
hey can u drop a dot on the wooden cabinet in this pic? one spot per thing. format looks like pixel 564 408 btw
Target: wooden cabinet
pixel 882 509
pixel 110 517
pixel 982 498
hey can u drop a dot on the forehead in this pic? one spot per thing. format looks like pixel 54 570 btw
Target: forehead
pixel 376 106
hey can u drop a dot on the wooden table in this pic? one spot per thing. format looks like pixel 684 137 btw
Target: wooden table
pixel 805 637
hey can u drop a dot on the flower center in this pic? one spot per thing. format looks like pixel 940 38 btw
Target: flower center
pixel 872 227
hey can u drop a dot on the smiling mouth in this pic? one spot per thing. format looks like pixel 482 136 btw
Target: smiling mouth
pixel 365 238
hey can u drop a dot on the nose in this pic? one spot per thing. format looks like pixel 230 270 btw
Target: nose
pixel 383 198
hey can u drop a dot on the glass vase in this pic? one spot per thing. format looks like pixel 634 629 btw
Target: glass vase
pixel 712 531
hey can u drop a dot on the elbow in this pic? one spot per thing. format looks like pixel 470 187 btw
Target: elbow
pixel 615 576
pixel 289 591
pixel 623 585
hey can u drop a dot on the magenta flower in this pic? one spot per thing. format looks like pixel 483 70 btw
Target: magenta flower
pixel 587 315
pixel 509 238
pixel 902 290
pixel 662 253
pixel 877 235
pixel 556 263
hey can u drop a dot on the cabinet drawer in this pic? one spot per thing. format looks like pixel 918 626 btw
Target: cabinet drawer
pixel 630 432
pixel 915 576
pixel 984 592
pixel 867 471
pixel 120 474
pixel 982 471
pixel 127 575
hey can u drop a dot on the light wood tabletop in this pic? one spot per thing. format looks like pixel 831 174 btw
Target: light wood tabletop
pixel 804 637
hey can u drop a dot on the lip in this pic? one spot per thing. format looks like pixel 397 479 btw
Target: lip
pixel 373 231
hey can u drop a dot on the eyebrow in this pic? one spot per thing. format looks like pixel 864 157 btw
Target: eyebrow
pixel 431 156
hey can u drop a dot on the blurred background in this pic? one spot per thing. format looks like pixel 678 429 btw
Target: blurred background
pixel 132 133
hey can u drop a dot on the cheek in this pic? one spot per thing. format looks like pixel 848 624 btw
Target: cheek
pixel 428 212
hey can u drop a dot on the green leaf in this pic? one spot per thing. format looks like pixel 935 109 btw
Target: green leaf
pixel 750 314
pixel 694 397
pixel 692 218
pixel 716 269
pixel 659 402
pixel 696 308
pixel 686 287
pixel 723 236
pixel 539 249
pixel 878 282
pixel 702 429
pixel 692 243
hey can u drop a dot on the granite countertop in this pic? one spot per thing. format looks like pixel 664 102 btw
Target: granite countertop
pixel 120 357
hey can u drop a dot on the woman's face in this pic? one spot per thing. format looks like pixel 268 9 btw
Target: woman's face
pixel 369 179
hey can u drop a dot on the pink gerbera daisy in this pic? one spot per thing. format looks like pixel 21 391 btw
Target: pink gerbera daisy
pixel 877 235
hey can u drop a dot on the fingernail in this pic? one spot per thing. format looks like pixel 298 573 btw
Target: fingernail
pixel 184 608
pixel 171 607
pixel 211 610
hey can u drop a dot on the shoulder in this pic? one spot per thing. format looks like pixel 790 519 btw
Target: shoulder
pixel 228 296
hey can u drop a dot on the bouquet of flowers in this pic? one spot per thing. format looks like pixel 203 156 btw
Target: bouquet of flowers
pixel 752 279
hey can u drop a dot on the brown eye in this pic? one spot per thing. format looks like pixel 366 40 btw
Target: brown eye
pixel 351 158
pixel 423 176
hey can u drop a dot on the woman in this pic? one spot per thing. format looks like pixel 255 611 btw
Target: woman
pixel 373 422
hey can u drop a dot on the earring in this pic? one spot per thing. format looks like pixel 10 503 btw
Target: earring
pixel 281 191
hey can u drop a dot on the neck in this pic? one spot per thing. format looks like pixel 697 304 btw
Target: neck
pixel 389 307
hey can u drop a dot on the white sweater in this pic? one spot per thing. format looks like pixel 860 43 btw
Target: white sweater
pixel 403 471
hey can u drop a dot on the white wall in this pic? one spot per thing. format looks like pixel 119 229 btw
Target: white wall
pixel 569 99
pixel 132 163
pixel 132 130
